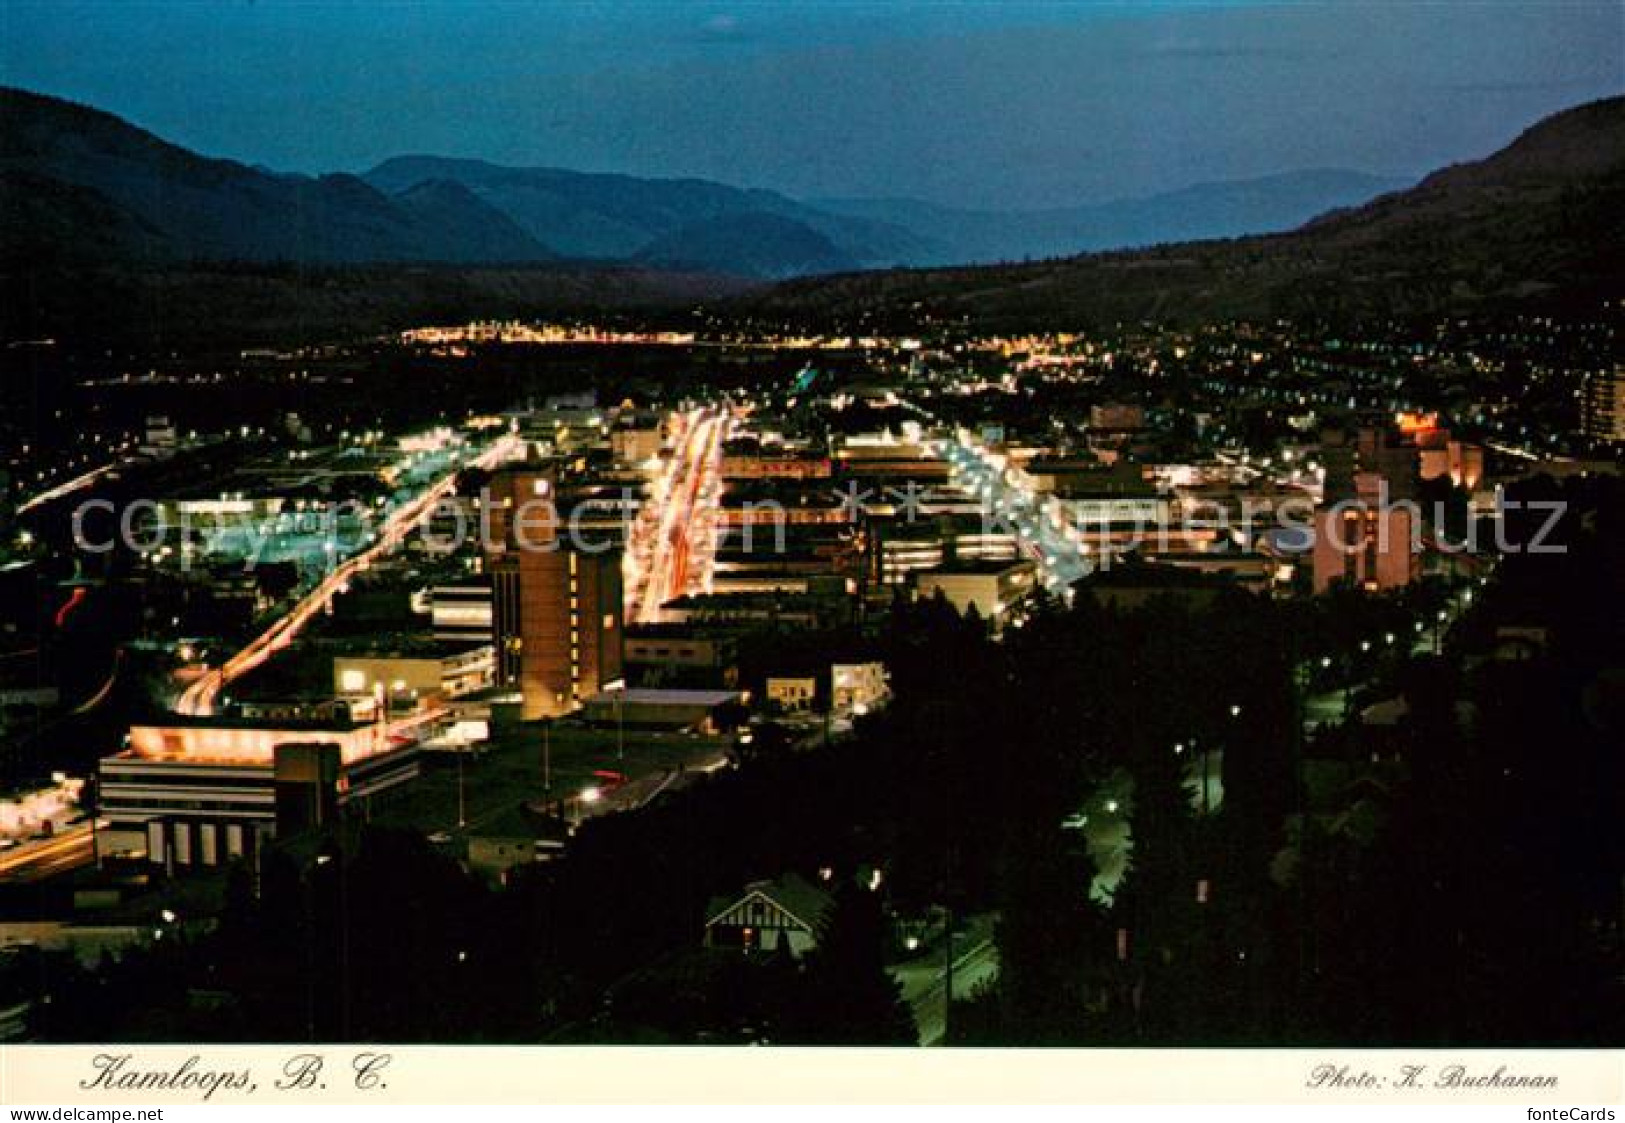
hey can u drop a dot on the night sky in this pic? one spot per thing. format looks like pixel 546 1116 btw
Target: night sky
pixel 997 105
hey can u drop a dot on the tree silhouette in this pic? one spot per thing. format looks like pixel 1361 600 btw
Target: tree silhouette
pixel 847 997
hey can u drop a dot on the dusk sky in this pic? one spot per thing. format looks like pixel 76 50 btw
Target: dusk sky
pixel 995 105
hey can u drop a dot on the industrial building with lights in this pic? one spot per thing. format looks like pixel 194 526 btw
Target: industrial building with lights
pixel 200 792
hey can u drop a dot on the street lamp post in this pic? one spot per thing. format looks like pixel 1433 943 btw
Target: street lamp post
pixel 1207 802
pixel 1348 688
pixel 547 758
pixel 620 723
pixel 462 796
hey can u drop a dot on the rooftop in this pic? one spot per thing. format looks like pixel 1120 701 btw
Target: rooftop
pixel 793 893
pixel 404 646
pixel 648 696
pixel 985 567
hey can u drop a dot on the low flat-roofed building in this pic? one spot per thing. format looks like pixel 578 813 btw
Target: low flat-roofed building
pixel 907 548
pixel 812 609
pixel 1117 417
pixel 202 791
pixel 791 693
pixel 859 687
pixel 875 475
pixel 415 670
pixel 1103 504
pixel 648 708
pixel 1253 571
pixel 884 460
pixel 1257 505
pixel 461 612
pixel 1133 584
pixel 745 552
pixel 974 538
pixel 747 460
pixel 250 731
pixel 993 588
pixel 671 652
pixel 1151 541
pixel 1048 473
pixel 762 581
pixel 784 502
pixel 636 444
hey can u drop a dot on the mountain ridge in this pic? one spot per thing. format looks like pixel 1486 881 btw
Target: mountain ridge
pixel 1215 209
pixel 1543 219
pixel 205 209
pixel 105 227
pixel 158 202
pixel 606 215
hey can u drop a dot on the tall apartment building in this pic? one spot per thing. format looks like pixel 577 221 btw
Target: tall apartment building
pixel 1370 449
pixel 1602 413
pixel 1366 542
pixel 556 605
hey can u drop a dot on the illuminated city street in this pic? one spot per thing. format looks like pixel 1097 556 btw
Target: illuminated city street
pixel 201 696
pixel 672 547
pixel 36 860
pixel 1044 536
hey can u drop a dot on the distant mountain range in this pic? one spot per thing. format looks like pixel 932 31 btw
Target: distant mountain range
pixel 686 222
pixel 1207 210
pixel 81 185
pixel 1540 222
pixel 109 232
pixel 765 234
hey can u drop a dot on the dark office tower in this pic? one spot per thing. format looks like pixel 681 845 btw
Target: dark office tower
pixel 1370 448
pixel 556 605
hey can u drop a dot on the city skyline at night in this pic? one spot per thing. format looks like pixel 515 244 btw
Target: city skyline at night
pixel 1065 550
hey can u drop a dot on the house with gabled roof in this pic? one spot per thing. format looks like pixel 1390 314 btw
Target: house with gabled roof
pixel 767 916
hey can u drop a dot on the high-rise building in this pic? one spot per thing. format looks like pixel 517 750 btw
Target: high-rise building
pixel 1602 414
pixel 1366 542
pixel 556 605
pixel 1369 449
